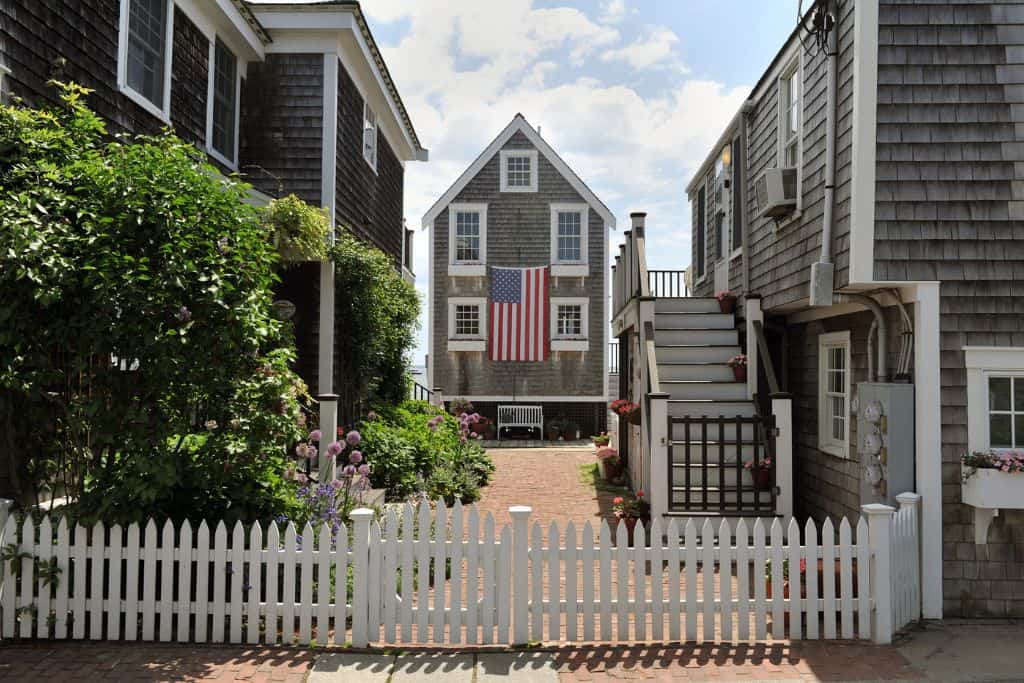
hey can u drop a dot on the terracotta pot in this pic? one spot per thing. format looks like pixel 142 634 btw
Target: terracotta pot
pixel 631 523
pixel 611 469
pixel 739 372
pixel 727 304
pixel 762 477
pixel 632 417
pixel 479 427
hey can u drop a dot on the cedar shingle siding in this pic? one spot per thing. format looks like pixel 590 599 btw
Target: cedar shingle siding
pixel 950 193
pixel 519 234
pixel 189 80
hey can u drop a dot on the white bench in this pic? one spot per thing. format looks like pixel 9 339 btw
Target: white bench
pixel 521 416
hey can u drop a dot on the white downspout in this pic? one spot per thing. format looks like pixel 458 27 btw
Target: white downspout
pixel 823 272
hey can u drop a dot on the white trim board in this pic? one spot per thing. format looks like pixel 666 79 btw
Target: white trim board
pixel 982 362
pixel 325 363
pixel 519 124
pixel 863 138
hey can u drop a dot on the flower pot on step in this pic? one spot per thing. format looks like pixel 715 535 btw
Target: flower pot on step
pixel 611 469
pixel 727 304
pixel 739 372
pixel 762 477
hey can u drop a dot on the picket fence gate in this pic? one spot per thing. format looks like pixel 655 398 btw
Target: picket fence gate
pixel 429 577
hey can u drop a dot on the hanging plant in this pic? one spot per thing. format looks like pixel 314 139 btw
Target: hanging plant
pixel 298 230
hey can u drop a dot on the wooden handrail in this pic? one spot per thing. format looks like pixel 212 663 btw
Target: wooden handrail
pixel 762 347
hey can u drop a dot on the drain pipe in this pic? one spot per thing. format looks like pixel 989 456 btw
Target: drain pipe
pixel 823 272
pixel 881 371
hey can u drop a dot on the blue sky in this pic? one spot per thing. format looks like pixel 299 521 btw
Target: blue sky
pixel 632 93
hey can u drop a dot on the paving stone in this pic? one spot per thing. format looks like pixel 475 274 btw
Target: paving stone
pixel 433 666
pixel 334 667
pixel 521 667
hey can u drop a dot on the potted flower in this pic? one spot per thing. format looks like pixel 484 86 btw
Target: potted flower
pixel 554 430
pixel 459 406
pixel 627 411
pixel 761 472
pixel 738 363
pixel 610 463
pixel 480 425
pixel 631 510
pixel 991 480
pixel 601 439
pixel 726 301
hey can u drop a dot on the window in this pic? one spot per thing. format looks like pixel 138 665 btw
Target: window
pixel 467 324
pixel 995 397
pixel 570 324
pixel 369 136
pixel 223 133
pixel 698 239
pixel 144 55
pixel 467 235
pixel 790 116
pixel 569 240
pixel 518 170
pixel 834 393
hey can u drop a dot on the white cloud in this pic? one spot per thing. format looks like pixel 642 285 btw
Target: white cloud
pixel 655 47
pixel 613 11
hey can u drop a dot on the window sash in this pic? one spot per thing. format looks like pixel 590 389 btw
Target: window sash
pixel 467 236
pixel 791 119
pixel 1005 409
pixel 834 388
pixel 570 320
pixel 225 100
pixel 518 171
pixel 369 135
pixel 570 236
pixel 146 54
pixel 467 320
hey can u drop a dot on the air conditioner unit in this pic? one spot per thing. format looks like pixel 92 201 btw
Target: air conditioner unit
pixel 776 192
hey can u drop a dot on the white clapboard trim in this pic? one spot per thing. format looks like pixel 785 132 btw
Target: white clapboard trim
pixel 828 562
pixel 184 580
pixel 44 552
pixel 691 603
pixel 587 562
pixel 725 579
pixel 271 591
pixel 554 584
pixel 863 553
pixel 252 611
pixel 472 578
pixel 236 576
pixel 455 585
pixel 674 563
pixel 440 537
pixel 795 579
pixel 132 558
pixel 811 559
pixel 149 555
pixel 846 579
pixel 571 598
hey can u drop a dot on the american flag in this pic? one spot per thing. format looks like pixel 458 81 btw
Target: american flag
pixel 519 314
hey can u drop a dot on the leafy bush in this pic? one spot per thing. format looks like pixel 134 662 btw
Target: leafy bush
pixel 417 447
pixel 299 230
pixel 141 370
pixel 380 311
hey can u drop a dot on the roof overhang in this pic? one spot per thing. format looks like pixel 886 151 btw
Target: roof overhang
pixel 339 26
pixel 709 161
pixel 519 124
pixel 230 21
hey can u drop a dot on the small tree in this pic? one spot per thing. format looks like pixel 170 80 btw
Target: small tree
pixel 141 370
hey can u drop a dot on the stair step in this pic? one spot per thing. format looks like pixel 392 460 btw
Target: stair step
pixel 673 335
pixel 698 321
pixel 698 389
pixel 709 408
pixel 688 304
pixel 694 353
pixel 714 372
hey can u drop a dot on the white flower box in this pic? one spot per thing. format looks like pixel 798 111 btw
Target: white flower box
pixel 988 490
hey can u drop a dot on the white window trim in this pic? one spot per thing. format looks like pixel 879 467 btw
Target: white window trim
pixel 826 443
pixel 5 71
pixel 575 268
pixel 467 268
pixel 795 65
pixel 376 141
pixel 571 343
pixel 164 114
pixel 466 342
pixel 232 164
pixel 507 154
pixel 983 362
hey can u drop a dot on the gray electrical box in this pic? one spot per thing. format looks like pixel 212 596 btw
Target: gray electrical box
pixel 885 440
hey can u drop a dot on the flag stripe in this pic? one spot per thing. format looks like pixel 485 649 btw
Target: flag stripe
pixel 519 313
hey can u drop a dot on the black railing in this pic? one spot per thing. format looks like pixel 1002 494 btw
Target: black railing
pixel 613 357
pixel 667 283
pixel 737 453
pixel 418 392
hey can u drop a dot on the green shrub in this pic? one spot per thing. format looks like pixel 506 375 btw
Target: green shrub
pixel 299 230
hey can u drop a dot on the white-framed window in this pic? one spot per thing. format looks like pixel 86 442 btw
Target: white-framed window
pixel 995 397
pixel 145 43
pixel 467 323
pixel 570 326
pixel 222 109
pixel 369 136
pixel 518 170
pixel 569 233
pixel 790 115
pixel 467 239
pixel 834 393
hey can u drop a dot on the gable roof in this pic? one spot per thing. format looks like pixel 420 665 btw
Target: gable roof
pixel 519 124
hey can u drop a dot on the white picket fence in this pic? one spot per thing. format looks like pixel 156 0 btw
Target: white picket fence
pixel 429 577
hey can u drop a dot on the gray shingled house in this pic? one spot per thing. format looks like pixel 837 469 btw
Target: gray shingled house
pixel 519 209
pixel 867 203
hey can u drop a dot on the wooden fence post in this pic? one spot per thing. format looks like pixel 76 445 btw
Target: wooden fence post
pixel 880 579
pixel 782 409
pixel 520 571
pixel 361 550
pixel 912 501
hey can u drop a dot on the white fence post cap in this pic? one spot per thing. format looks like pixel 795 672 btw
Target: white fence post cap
pixel 872 509
pixel 908 498
pixel 520 510
pixel 360 514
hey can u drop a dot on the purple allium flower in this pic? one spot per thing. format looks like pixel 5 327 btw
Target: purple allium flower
pixel 335 448
pixel 184 315
pixel 355 457
pixel 349 470
pixel 364 470
pixel 315 435
pixel 336 484
pixel 353 438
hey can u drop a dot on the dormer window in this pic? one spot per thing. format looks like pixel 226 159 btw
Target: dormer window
pixel 144 54
pixel 370 136
pixel 518 170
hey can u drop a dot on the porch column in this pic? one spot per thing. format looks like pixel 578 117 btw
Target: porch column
pixel 880 532
pixel 782 410
pixel 658 495
pixel 753 312
pixel 328 433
